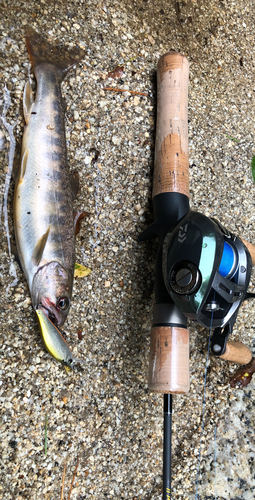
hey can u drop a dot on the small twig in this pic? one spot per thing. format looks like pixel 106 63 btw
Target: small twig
pixel 232 138
pixel 125 90
pixel 73 479
pixel 131 59
pixel 46 435
pixel 63 480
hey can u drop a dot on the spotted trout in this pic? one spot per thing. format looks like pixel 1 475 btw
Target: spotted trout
pixel 44 189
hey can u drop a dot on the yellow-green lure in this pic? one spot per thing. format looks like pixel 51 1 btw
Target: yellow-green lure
pixel 54 342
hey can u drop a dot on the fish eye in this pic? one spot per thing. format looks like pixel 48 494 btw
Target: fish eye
pixel 69 363
pixel 63 303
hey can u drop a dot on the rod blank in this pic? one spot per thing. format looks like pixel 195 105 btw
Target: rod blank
pixel 167 446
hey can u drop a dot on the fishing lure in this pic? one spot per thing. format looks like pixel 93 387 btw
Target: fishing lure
pixel 54 342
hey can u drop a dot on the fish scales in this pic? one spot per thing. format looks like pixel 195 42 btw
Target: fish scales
pixel 43 198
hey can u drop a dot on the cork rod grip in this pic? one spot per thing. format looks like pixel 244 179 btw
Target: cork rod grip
pixel 237 352
pixel 169 360
pixel 171 170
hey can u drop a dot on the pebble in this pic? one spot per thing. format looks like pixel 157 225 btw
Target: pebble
pixel 116 140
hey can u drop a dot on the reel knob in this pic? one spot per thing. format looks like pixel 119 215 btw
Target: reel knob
pixel 184 278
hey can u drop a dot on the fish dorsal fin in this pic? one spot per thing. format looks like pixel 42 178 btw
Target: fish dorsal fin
pixel 39 248
pixel 23 165
pixel 28 102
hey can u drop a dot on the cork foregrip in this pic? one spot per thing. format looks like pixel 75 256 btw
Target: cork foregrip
pixel 171 168
pixel 169 360
pixel 237 352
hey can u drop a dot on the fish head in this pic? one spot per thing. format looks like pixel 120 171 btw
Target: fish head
pixel 52 291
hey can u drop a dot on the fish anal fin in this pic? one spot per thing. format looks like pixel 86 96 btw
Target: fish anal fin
pixel 39 248
pixel 28 102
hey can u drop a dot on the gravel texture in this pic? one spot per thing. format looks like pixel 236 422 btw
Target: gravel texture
pixel 103 413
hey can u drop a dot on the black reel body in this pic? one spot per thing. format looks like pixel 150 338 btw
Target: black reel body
pixel 206 272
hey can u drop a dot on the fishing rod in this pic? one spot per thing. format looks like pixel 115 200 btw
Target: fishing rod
pixel 202 270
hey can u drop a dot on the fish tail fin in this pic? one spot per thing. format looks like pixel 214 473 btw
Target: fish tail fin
pixel 41 51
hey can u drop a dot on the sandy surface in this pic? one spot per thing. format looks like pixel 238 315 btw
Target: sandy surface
pixel 103 413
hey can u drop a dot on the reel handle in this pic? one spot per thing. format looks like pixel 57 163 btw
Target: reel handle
pixel 237 353
pixel 171 165
pixel 169 351
pixel 251 248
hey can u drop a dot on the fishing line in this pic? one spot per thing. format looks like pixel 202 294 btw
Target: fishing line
pixel 215 460
pixel 203 419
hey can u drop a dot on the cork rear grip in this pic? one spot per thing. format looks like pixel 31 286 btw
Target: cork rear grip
pixel 171 169
pixel 169 360
pixel 237 352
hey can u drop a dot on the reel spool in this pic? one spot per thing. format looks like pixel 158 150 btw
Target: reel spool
pixel 206 272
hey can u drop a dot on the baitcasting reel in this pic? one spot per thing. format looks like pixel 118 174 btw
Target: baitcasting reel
pixel 206 271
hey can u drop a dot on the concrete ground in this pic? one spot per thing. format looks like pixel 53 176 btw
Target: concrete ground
pixel 103 413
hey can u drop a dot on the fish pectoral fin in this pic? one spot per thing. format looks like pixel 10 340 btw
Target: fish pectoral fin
pixel 23 165
pixel 39 248
pixel 28 102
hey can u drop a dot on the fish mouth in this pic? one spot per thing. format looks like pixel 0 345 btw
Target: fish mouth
pixel 51 311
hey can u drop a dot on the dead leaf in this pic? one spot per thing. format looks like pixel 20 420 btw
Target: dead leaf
pixel 80 334
pixel 81 271
pixel 116 73
pixel 78 216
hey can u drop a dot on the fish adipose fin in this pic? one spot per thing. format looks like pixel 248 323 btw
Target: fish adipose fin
pixel 41 51
pixel 39 248
pixel 28 102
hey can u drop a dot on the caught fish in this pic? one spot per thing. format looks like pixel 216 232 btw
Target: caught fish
pixel 44 189
pixel 54 341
